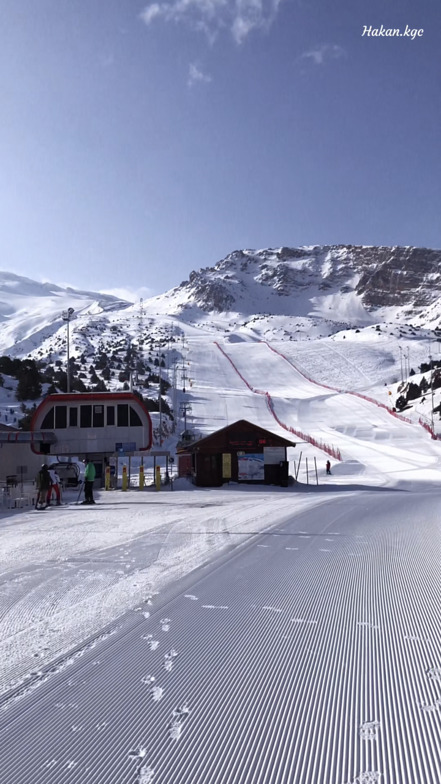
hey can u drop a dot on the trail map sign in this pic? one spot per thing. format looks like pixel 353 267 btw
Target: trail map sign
pixel 251 467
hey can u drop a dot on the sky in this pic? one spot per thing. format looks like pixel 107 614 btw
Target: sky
pixel 140 141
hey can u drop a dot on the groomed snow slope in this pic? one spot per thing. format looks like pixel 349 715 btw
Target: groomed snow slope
pixel 234 380
pixel 310 656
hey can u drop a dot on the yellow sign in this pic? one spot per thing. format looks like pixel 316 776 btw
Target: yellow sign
pixel 226 465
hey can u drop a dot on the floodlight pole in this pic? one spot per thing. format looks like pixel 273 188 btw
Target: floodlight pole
pixel 431 391
pixel 66 316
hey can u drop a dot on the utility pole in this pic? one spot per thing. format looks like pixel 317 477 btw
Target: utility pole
pixel 160 411
pixel 174 396
pixel 183 377
pixel 431 389
pixel 401 362
pixel 431 392
pixel 185 408
pixel 66 316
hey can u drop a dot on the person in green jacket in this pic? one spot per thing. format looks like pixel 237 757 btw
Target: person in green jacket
pixel 89 478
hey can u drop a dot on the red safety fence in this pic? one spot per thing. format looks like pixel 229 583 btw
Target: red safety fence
pixel 421 422
pixel 328 448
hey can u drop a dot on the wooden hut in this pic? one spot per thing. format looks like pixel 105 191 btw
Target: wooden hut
pixel 241 452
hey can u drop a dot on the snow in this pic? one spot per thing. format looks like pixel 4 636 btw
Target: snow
pixel 68 574
pixel 31 311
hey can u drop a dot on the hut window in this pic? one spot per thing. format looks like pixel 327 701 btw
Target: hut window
pixel 111 415
pixel 48 421
pixel 123 414
pixel 85 416
pixel 134 418
pixel 60 417
pixel 98 416
pixel 73 417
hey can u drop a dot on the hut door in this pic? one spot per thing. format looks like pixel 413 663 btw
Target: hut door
pixel 211 471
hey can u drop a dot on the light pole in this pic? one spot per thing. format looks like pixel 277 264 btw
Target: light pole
pixel 66 316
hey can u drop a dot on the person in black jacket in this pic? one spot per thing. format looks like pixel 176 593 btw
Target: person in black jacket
pixel 43 483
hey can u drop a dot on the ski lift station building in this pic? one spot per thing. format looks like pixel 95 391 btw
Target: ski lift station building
pixel 92 424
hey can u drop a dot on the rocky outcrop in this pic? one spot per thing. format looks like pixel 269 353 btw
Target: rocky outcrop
pixel 380 276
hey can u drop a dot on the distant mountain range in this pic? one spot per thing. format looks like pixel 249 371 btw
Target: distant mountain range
pixel 315 290
pixel 31 312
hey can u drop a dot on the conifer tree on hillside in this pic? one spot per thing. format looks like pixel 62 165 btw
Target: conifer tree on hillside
pixel 29 382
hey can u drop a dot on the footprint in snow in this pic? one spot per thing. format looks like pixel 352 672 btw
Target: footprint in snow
pixel 154 644
pixel 179 716
pixel 369 730
pixel 434 674
pixel 157 693
pixel 138 754
pixel 190 596
pixel 146 775
pixel 414 638
pixel 370 777
pixel 50 764
pixel 168 660
pixel 429 708
pixel 165 624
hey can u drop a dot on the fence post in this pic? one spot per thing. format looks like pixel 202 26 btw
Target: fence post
pixel 298 467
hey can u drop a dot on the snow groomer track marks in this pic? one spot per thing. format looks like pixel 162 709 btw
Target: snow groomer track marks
pixel 278 665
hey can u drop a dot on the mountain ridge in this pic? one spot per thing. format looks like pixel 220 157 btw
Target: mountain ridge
pixel 381 276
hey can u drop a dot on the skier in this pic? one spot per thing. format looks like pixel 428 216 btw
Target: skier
pixel 55 486
pixel 328 467
pixel 43 485
pixel 89 477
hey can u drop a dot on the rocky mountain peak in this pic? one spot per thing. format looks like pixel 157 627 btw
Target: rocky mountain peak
pixel 379 276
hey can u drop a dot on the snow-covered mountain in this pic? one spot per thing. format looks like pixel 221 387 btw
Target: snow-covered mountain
pixel 341 284
pixel 376 308
pixel 309 291
pixel 31 312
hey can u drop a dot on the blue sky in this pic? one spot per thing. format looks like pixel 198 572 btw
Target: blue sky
pixel 142 140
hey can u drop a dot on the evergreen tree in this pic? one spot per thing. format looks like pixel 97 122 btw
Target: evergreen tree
pixel 29 382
